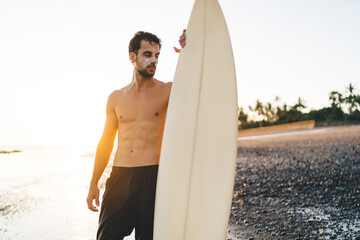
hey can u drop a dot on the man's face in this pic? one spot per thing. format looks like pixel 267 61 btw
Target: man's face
pixel 147 58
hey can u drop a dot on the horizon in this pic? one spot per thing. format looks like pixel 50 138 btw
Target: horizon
pixel 60 61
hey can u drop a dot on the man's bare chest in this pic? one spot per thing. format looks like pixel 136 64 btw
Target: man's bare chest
pixel 149 107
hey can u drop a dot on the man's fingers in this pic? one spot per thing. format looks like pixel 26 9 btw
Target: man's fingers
pixel 90 200
pixel 91 206
pixel 182 39
pixel 97 202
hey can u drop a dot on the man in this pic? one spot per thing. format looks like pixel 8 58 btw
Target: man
pixel 137 113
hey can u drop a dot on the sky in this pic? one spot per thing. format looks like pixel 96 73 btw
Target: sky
pixel 59 60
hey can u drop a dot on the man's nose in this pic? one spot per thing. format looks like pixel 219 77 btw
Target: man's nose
pixel 154 60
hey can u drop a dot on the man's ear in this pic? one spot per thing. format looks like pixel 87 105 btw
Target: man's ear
pixel 132 57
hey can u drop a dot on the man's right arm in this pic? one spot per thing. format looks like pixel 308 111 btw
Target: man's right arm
pixel 103 152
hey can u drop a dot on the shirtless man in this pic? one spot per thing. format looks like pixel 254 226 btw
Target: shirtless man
pixel 137 113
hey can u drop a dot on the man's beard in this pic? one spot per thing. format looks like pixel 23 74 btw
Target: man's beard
pixel 146 74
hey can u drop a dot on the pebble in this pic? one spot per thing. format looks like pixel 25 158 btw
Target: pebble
pixel 299 186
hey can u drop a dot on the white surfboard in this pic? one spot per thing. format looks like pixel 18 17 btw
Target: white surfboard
pixel 198 155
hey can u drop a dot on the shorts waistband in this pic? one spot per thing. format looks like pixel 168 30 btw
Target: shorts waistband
pixel 135 169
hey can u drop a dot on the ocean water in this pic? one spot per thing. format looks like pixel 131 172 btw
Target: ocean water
pixel 312 131
pixel 43 192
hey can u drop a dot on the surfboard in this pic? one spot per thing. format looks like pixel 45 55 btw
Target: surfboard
pixel 198 154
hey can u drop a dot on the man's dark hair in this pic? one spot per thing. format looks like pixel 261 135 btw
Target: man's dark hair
pixel 134 44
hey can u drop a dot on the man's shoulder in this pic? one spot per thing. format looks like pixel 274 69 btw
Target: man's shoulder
pixel 164 88
pixel 119 92
pixel 116 95
pixel 163 84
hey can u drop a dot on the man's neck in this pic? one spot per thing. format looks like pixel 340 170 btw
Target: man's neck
pixel 140 83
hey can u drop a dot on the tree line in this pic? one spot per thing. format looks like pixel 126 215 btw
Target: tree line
pixel 344 108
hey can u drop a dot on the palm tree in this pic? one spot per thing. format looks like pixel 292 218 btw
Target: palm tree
pixel 259 108
pixel 270 113
pixel 299 105
pixel 242 116
pixel 350 99
pixel 336 99
pixel 357 100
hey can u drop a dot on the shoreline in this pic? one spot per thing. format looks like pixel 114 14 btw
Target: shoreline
pixel 284 134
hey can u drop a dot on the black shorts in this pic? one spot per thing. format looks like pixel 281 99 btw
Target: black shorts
pixel 128 203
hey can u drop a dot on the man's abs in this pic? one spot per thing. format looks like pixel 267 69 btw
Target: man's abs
pixel 136 155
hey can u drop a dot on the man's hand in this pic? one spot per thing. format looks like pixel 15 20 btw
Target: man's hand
pixel 93 195
pixel 182 41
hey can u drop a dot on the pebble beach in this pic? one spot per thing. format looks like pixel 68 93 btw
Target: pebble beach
pixel 302 186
